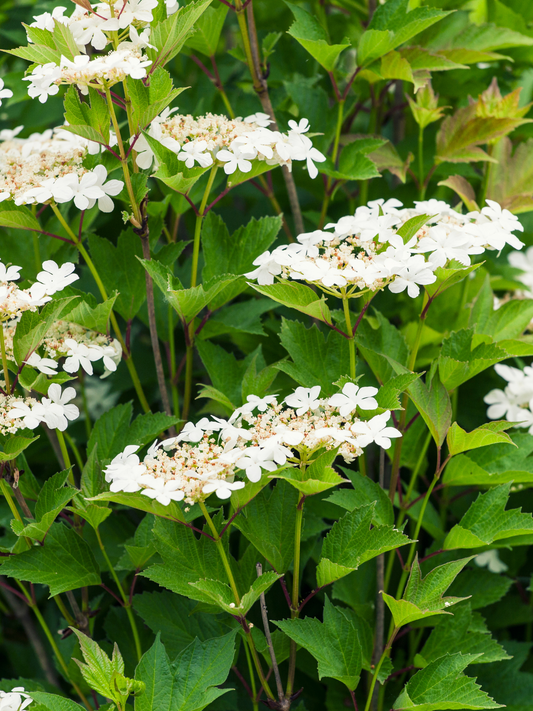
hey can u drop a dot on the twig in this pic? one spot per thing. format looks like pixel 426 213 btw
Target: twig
pixel 264 615
pixel 285 591
pixel 243 681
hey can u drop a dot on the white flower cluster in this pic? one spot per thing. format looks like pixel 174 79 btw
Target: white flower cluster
pixel 13 300
pixel 365 252
pixel 515 402
pixel 80 347
pixel 54 411
pixel 84 71
pixel 14 700
pixel 259 437
pixel 49 166
pixel 231 143
pixel 97 28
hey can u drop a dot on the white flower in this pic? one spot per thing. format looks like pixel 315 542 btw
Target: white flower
pixel 194 432
pixel 9 273
pixel 172 7
pixel 418 272
pixel 63 411
pixel 223 489
pixel 111 356
pixel 504 218
pixel 446 245
pixel 112 187
pixel 80 356
pixel 304 399
pixel 234 160
pixel 125 470
pixel 353 397
pixel 301 127
pixel 253 402
pixel 375 430
pixel 162 491
pixel 31 417
pixel 55 278
pixel 43 365
pixel 499 404
pixel 14 700
pixel 260 119
pixel 85 190
pixel 4 93
pixel 194 151
pixel 42 81
pixel 267 269
pixel 303 149
pixel 489 559
pixel 34 296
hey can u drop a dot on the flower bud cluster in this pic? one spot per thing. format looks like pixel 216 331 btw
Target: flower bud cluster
pixel 14 300
pixel 231 143
pixel 515 402
pixel 261 436
pixel 49 167
pixel 366 251
pixel 80 347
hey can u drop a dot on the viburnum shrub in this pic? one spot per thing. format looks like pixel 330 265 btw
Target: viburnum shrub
pixel 266 393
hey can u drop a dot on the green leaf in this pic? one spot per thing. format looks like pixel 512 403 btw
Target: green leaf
pixel 185 560
pixel 53 702
pixel 364 492
pixel 317 358
pixel 462 356
pixel 173 616
pixel 268 523
pixel 311 35
pixel 487 521
pixel 334 643
pixel 121 271
pixel 382 346
pixel 33 327
pixel 221 595
pixel 461 632
pixel 489 433
pixel 433 403
pixel 15 446
pixel 37 53
pixel 208 29
pixel 496 464
pixel 17 218
pixel 81 115
pixel 64 563
pixel 442 685
pixel 53 498
pixel 99 669
pixel 423 597
pixel 170 35
pixel 64 41
pixel 155 670
pixel 354 164
pixel 235 253
pixel 352 541
pixel 449 276
pixel 317 478
pixel 91 314
pixel 297 296
pixel 391 26
pixel 386 157
pixel 481 586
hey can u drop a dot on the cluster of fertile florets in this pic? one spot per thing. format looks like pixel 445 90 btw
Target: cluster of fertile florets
pixel 48 167
pixel 366 251
pixel 14 300
pixel 259 437
pixel 79 346
pixel 231 143
pixel 515 402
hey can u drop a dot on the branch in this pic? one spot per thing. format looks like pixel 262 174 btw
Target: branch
pixel 264 615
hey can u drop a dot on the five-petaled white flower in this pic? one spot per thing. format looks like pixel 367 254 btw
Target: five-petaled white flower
pixel 80 356
pixel 55 278
pixel 304 399
pixel 58 407
pixel 48 366
pixel 162 491
pixel 14 700
pixel 9 273
pixel 195 152
pixel 125 470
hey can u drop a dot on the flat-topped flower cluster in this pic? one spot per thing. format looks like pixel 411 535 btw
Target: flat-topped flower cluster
pixel 79 346
pixel 14 300
pixel 231 143
pixel 366 251
pixel 97 28
pixel 261 436
pixel 48 167
pixel 515 402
